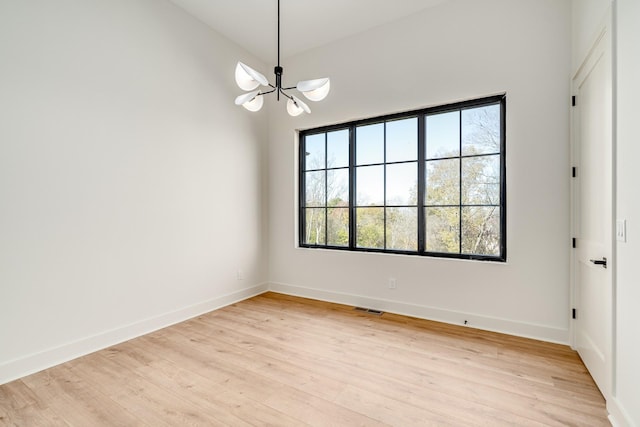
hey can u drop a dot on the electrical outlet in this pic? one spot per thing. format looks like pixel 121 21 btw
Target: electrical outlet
pixel 240 275
pixel 392 283
pixel 621 230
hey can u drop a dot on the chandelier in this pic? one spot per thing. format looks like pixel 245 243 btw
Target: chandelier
pixel 249 79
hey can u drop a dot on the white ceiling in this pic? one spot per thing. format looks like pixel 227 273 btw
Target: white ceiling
pixel 304 24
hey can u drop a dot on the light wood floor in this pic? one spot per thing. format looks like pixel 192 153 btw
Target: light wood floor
pixel 286 361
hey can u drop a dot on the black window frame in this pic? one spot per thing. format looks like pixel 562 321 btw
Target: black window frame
pixel 421 114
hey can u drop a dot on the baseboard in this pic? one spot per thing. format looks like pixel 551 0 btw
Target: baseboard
pixel 33 363
pixel 618 416
pixel 527 330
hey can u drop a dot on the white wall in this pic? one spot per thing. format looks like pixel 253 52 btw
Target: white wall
pixel 627 351
pixel 130 187
pixel 458 50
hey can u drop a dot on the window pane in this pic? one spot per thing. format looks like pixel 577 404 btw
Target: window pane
pixel 402 140
pixel 443 182
pixel 314 233
pixel 402 229
pixel 443 230
pixel 481 130
pixel 370 228
pixel 338 187
pixel 338 149
pixel 481 230
pixel 315 188
pixel 370 185
pixel 443 135
pixel 481 180
pixel 370 144
pixel 314 151
pixel 338 227
pixel 402 180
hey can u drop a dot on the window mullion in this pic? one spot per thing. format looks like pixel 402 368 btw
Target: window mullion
pixel 352 187
pixel 326 191
pixel 421 187
pixel 384 185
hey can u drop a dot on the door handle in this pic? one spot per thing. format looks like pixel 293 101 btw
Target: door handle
pixel 602 262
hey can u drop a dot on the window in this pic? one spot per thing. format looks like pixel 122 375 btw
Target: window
pixel 428 182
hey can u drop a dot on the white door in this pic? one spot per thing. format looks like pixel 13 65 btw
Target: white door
pixel 592 212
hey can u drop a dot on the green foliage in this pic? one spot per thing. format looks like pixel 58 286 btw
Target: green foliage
pixel 370 228
pixel 443 225
pixel 402 228
pixel 338 225
pixel 315 226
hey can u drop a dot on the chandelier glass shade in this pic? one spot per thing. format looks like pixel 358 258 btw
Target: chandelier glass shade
pixel 249 80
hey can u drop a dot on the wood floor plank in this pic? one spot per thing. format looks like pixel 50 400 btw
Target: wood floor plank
pixel 61 388
pixel 287 361
pixel 197 387
pixel 316 411
pixel 21 406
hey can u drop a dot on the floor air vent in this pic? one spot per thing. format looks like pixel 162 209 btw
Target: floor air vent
pixel 369 310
